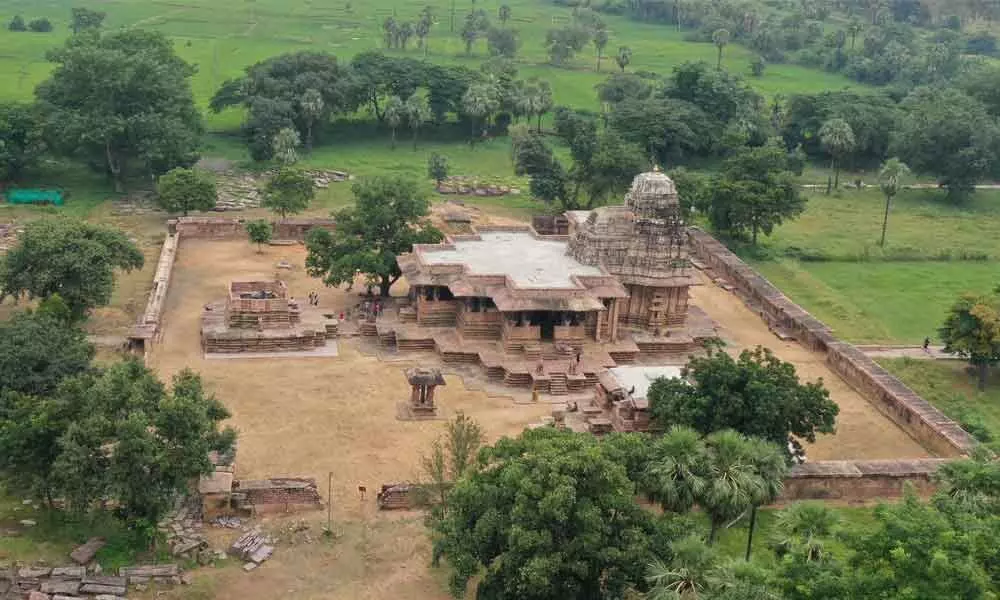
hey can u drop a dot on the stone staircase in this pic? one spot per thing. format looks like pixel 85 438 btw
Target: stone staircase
pixel 558 384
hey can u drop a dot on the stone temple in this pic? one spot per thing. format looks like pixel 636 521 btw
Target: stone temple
pixel 551 310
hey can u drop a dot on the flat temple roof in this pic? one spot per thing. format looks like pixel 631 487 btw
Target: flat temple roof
pixel 527 260
pixel 642 377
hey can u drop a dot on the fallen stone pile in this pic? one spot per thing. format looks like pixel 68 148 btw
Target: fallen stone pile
pixel 471 186
pixel 253 547
pixel 76 582
pixel 240 191
pixel 141 202
pixel 8 235
pixel 182 528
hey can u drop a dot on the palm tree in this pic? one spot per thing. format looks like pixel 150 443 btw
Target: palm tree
pixel 423 27
pixel 676 477
pixel 732 481
pixel 312 109
pixel 479 102
pixel 769 462
pixel 803 527
pixel 284 144
pixel 503 13
pixel 853 29
pixel 837 138
pixel 395 113
pixel 417 113
pixel 890 179
pixel 624 57
pixel 720 37
pixel 689 574
pixel 600 41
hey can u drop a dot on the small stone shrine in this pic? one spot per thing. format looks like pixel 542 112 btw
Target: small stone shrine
pixel 421 404
pixel 257 316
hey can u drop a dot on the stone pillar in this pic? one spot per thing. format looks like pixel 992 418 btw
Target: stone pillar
pixel 429 398
pixel 600 320
pixel 415 395
pixel 614 320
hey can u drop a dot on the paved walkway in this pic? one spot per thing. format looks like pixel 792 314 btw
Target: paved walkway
pixel 916 352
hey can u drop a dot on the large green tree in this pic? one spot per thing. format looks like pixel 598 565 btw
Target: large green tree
pixel 38 349
pixel 837 139
pixel 123 101
pixel 756 394
pixel 21 143
pixel 289 191
pixel 972 330
pixel 183 190
pixel 74 259
pixel 547 515
pixel 950 135
pixel 755 192
pixel 86 18
pixel 388 217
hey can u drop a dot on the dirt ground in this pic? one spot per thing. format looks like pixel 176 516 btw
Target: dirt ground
pixel 862 431
pixel 314 416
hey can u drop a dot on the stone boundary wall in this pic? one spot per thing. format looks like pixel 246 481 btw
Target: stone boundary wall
pixel 234 228
pixel 149 323
pixel 859 481
pixel 916 416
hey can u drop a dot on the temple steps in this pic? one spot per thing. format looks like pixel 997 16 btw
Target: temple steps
pixel 407 314
pixel 368 329
pixel 451 356
pixel 624 357
pixel 558 385
pixel 387 339
pixel 415 344
pixel 518 379
pixel 532 353
pixel 439 319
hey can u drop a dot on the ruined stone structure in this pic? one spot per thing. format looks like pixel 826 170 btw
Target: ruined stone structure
pixel 643 244
pixel 423 381
pixel 257 316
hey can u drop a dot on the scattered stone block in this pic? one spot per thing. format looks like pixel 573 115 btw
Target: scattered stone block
pixel 64 597
pixel 249 566
pixel 70 572
pixel 108 580
pixel 28 523
pixel 108 597
pixel 33 572
pixel 37 596
pixel 85 553
pixel 261 554
pixel 55 586
pixel 93 588
pixel 150 571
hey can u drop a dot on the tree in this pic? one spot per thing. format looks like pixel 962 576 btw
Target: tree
pixel 395 115
pixel 803 529
pixel 404 33
pixel 757 395
pixel 624 57
pixel 389 216
pixel 390 32
pixel 311 106
pixel 289 191
pixel 182 190
pixel 732 482
pixel 453 456
pixel 85 18
pixel 890 179
pixel 159 127
pixel 693 571
pixel 502 42
pixel 21 143
pixel 475 25
pixel 837 139
pixel 39 349
pixel 972 331
pixel 544 516
pixel 853 29
pixel 563 44
pixel 754 192
pixel 600 41
pixel 423 27
pixel 285 143
pixel 677 471
pixel 17 24
pixel 41 25
pixel 144 443
pixel 479 102
pixel 948 134
pixel 417 114
pixel 503 13
pixel 276 94
pixel 769 462
pixel 757 66
pixel 437 168
pixel 720 37
pixel 75 260
pixel 259 232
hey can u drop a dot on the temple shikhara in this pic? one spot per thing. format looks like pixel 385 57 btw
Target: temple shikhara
pixel 551 310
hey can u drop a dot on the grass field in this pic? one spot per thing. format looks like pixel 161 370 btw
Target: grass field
pixel 829 261
pixel 949 386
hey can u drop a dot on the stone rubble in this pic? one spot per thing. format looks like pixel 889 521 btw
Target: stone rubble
pixel 74 583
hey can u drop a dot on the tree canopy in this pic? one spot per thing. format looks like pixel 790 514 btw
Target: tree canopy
pixel 73 259
pixel 756 394
pixel 21 141
pixel 183 190
pixel 972 330
pixel 121 99
pixel 289 191
pixel 387 219
pixel 547 515
pixel 38 349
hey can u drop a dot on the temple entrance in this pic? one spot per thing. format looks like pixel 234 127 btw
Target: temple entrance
pixel 546 321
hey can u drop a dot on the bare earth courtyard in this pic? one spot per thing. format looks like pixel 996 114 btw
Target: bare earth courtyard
pixel 311 416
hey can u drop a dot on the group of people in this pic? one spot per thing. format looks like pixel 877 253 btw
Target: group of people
pixel 313 299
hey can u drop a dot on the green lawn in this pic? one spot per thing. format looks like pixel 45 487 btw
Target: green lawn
pixel 828 260
pixel 949 386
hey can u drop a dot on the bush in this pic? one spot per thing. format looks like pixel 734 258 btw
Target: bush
pixel 17 24
pixel 42 25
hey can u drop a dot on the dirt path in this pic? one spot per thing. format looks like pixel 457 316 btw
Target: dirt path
pixel 862 431
pixel 915 352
